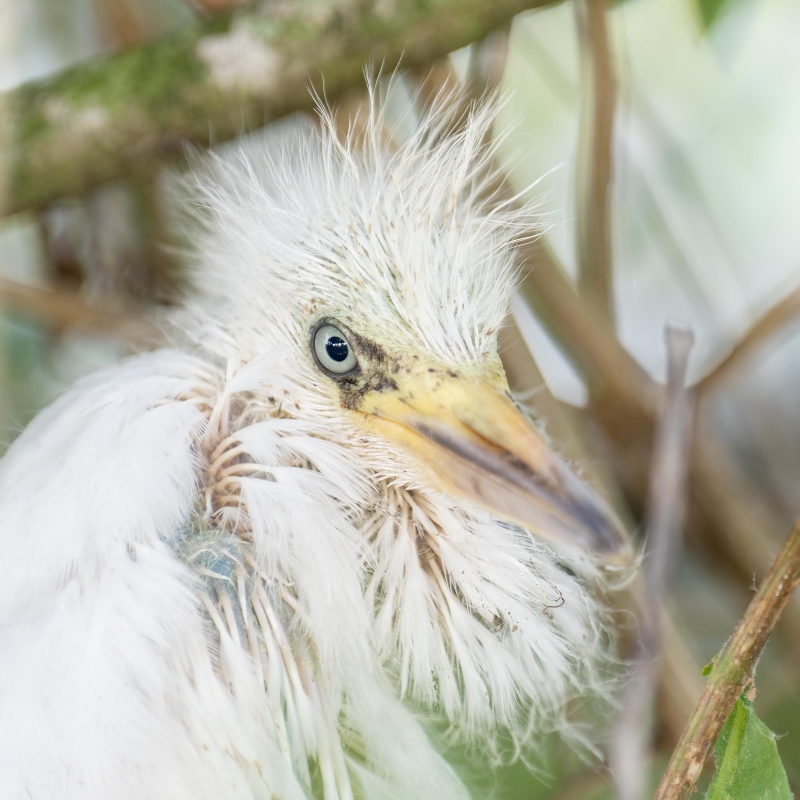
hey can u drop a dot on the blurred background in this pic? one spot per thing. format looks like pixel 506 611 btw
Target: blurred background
pixel 661 140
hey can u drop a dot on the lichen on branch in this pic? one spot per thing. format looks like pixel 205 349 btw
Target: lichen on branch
pixel 106 118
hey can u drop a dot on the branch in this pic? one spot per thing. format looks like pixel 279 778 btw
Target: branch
pixel 668 481
pixel 731 672
pixel 64 309
pixel 581 333
pixel 770 324
pixel 213 81
pixel 666 508
pixel 595 267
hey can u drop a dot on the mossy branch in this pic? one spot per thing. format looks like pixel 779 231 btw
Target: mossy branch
pixel 104 119
pixel 731 672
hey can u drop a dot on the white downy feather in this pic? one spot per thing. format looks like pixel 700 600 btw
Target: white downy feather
pixel 213 586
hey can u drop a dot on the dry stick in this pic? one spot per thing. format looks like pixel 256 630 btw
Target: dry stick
pixel 563 91
pixel 64 309
pixel 731 672
pixel 119 23
pixel 595 264
pixel 667 505
pixel 582 334
pixel 767 326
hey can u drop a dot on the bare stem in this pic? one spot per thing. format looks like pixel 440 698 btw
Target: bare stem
pixel 667 499
pixel 666 509
pixel 586 339
pixel 731 672
pixel 65 309
pixel 771 324
pixel 595 266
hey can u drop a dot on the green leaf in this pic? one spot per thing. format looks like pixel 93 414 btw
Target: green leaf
pixel 748 764
pixel 709 668
pixel 710 10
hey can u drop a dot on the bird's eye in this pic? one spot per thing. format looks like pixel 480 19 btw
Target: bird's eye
pixel 332 351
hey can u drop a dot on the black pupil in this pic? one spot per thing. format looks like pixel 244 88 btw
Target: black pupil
pixel 337 348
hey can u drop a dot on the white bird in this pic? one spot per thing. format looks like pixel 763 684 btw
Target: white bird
pixel 261 563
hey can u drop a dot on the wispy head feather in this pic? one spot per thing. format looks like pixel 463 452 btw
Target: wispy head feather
pixel 405 235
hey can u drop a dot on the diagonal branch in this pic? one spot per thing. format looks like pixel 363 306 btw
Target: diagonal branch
pixel 731 671
pixel 582 334
pixel 64 309
pixel 771 324
pixel 210 82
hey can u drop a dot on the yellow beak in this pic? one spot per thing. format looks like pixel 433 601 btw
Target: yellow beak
pixel 477 444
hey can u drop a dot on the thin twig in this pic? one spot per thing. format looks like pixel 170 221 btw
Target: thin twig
pixel 595 265
pixel 120 25
pixel 64 309
pixel 667 501
pixel 563 89
pixel 731 672
pixel 666 513
pixel 586 339
pixel 772 323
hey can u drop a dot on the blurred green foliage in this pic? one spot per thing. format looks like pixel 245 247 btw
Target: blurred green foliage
pixel 710 11
pixel 29 383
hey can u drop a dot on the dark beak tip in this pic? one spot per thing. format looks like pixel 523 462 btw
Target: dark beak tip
pixel 615 550
pixel 605 536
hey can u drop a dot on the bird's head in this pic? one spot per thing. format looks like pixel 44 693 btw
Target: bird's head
pixel 372 277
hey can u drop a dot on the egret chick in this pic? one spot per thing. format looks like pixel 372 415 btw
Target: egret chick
pixel 257 564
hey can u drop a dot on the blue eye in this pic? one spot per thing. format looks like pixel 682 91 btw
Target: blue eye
pixel 332 351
